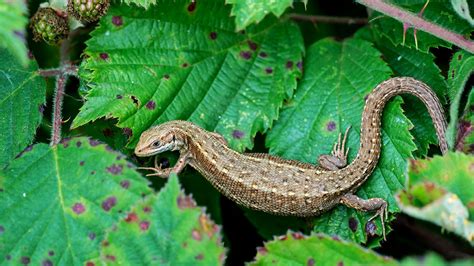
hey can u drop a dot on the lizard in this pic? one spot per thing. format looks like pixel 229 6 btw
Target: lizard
pixel 287 187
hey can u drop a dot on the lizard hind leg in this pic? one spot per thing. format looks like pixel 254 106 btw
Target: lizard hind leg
pixel 338 157
pixel 378 205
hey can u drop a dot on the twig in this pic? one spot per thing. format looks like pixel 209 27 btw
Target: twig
pixel 53 72
pixel 57 108
pixel 66 69
pixel 328 19
pixel 70 70
pixel 419 23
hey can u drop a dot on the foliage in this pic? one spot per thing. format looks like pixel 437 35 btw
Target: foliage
pixel 264 78
pixel 296 249
pixel 440 191
pixel 22 95
pixel 13 30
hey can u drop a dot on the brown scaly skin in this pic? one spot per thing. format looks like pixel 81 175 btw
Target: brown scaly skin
pixel 286 187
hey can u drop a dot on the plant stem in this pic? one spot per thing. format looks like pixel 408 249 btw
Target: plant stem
pixel 65 69
pixel 419 23
pixel 70 70
pixel 328 19
pixel 57 108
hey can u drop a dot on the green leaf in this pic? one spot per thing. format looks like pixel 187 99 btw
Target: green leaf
pixel 433 259
pixel 13 18
pixel 165 229
pixel 460 69
pixel 406 61
pixel 461 7
pixel 247 12
pixel 329 99
pixel 57 201
pixel 439 12
pixel 437 206
pixel 452 172
pixel 297 249
pixel 147 70
pixel 141 3
pixel 22 95
pixel 465 136
pixel 105 131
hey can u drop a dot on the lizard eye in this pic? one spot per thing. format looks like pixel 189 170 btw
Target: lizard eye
pixel 174 138
pixel 156 144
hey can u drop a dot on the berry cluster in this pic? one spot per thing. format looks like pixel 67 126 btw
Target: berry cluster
pixel 52 25
pixel 48 25
pixel 87 10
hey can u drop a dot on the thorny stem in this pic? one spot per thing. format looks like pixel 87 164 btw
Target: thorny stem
pixel 70 70
pixel 328 19
pixel 419 23
pixel 65 69
pixel 57 107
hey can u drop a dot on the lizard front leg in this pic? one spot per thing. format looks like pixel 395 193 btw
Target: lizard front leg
pixel 165 173
pixel 338 157
pixel 378 205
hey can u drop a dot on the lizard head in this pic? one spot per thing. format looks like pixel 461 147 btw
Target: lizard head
pixel 157 140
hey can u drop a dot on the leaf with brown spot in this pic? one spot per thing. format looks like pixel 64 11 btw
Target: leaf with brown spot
pixel 441 193
pixel 196 84
pixel 55 202
pixel 175 235
pixel 316 250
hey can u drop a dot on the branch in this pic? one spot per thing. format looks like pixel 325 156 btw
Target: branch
pixel 68 69
pixel 328 19
pixel 419 23
pixel 57 108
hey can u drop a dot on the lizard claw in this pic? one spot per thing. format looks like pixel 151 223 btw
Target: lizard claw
pixel 158 170
pixel 383 213
pixel 338 157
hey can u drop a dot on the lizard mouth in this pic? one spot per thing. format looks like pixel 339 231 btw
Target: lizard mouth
pixel 150 151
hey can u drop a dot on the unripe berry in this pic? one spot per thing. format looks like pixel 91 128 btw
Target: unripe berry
pixel 87 10
pixel 49 26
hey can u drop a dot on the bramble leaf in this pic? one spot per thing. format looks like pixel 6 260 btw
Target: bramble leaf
pixel 460 70
pixel 166 228
pixel 461 7
pixel 144 69
pixel 56 202
pixel 441 191
pixel 434 259
pixel 13 30
pixel 452 172
pixel 330 98
pixel 444 209
pixel 247 12
pixel 22 95
pixel 297 249
pixel 141 3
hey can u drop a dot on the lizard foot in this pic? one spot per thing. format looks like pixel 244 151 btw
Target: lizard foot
pixel 374 204
pixel 338 157
pixel 383 213
pixel 158 171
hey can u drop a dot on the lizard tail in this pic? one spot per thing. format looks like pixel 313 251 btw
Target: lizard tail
pixel 370 139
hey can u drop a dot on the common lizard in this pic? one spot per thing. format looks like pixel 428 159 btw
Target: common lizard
pixel 287 187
